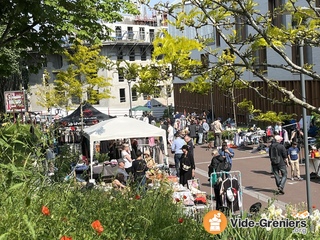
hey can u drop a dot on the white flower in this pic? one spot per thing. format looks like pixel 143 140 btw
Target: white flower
pixel 264 216
pixel 271 208
pixel 268 229
pixel 317 228
pixel 278 213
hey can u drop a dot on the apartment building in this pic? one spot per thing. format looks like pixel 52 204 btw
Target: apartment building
pixel 131 41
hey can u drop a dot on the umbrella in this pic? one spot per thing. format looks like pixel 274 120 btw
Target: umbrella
pixel 141 108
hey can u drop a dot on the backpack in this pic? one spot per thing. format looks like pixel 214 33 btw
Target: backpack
pixel 274 154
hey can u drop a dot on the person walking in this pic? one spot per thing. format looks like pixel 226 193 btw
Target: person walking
pixel 187 166
pixel 293 156
pixel 217 131
pixel 279 163
pixel 200 133
pixel 176 146
pixel 206 129
pixel 226 153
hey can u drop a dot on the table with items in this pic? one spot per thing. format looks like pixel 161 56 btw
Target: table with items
pixel 193 201
pixel 105 170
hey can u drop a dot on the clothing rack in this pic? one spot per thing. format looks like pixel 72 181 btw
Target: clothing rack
pixel 232 175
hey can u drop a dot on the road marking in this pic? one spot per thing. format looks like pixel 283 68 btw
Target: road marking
pixel 252 193
pixel 264 155
pixel 292 183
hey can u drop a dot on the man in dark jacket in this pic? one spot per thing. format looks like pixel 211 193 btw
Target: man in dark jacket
pixel 280 167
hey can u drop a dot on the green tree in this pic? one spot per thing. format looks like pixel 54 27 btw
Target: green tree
pixel 46 94
pixel 81 79
pixel 227 19
pixel 47 26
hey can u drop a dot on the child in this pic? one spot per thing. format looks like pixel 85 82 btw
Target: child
pixel 293 156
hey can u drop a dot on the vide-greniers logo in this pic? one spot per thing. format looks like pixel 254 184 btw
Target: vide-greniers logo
pixel 215 222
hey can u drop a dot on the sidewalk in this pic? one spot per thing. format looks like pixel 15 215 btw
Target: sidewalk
pixel 258 184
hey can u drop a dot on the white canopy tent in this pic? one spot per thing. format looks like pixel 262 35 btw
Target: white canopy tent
pixel 122 128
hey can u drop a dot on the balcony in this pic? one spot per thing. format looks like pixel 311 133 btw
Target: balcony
pixel 132 36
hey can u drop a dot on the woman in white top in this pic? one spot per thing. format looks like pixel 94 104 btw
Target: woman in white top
pixel 170 134
pixel 126 156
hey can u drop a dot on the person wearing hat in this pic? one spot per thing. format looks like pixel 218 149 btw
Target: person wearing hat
pixel 187 166
pixel 217 131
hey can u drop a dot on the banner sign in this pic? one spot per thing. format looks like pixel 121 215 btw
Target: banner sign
pixel 15 101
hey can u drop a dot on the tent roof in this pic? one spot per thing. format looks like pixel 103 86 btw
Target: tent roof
pixel 122 127
pixel 89 113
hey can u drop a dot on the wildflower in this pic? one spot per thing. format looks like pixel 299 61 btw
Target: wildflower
pixel 96 225
pixel 180 220
pixel 65 238
pixel 184 197
pixel 313 206
pixel 137 197
pixel 278 213
pixel 177 200
pixel 45 211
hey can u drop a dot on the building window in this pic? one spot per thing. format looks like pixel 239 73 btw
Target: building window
pixel 277 18
pixel 132 54
pixel 120 54
pixel 145 96
pixel 317 4
pixel 151 35
pixel 241 30
pixel 218 39
pixel 118 33
pixel 307 58
pixel 122 93
pixel 142 34
pixel 130 33
pixel 134 94
pixel 143 53
pixel 120 77
pixel 205 60
pixel 261 60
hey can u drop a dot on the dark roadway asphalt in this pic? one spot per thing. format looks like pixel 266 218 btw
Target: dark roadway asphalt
pixel 257 183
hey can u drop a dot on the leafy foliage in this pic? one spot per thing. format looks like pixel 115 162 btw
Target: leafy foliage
pixel 246 29
pixel 49 25
pixel 81 77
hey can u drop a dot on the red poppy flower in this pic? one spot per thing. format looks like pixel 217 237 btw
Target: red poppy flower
pixel 65 238
pixel 180 220
pixel 45 211
pixel 184 197
pixel 177 200
pixel 313 206
pixel 137 197
pixel 97 226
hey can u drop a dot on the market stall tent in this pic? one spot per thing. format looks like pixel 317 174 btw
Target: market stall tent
pixel 122 128
pixel 91 116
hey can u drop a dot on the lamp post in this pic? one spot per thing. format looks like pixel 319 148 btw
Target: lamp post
pixel 130 98
pixel 211 96
pixel 305 130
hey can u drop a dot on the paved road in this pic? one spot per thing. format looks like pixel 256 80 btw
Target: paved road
pixel 258 184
